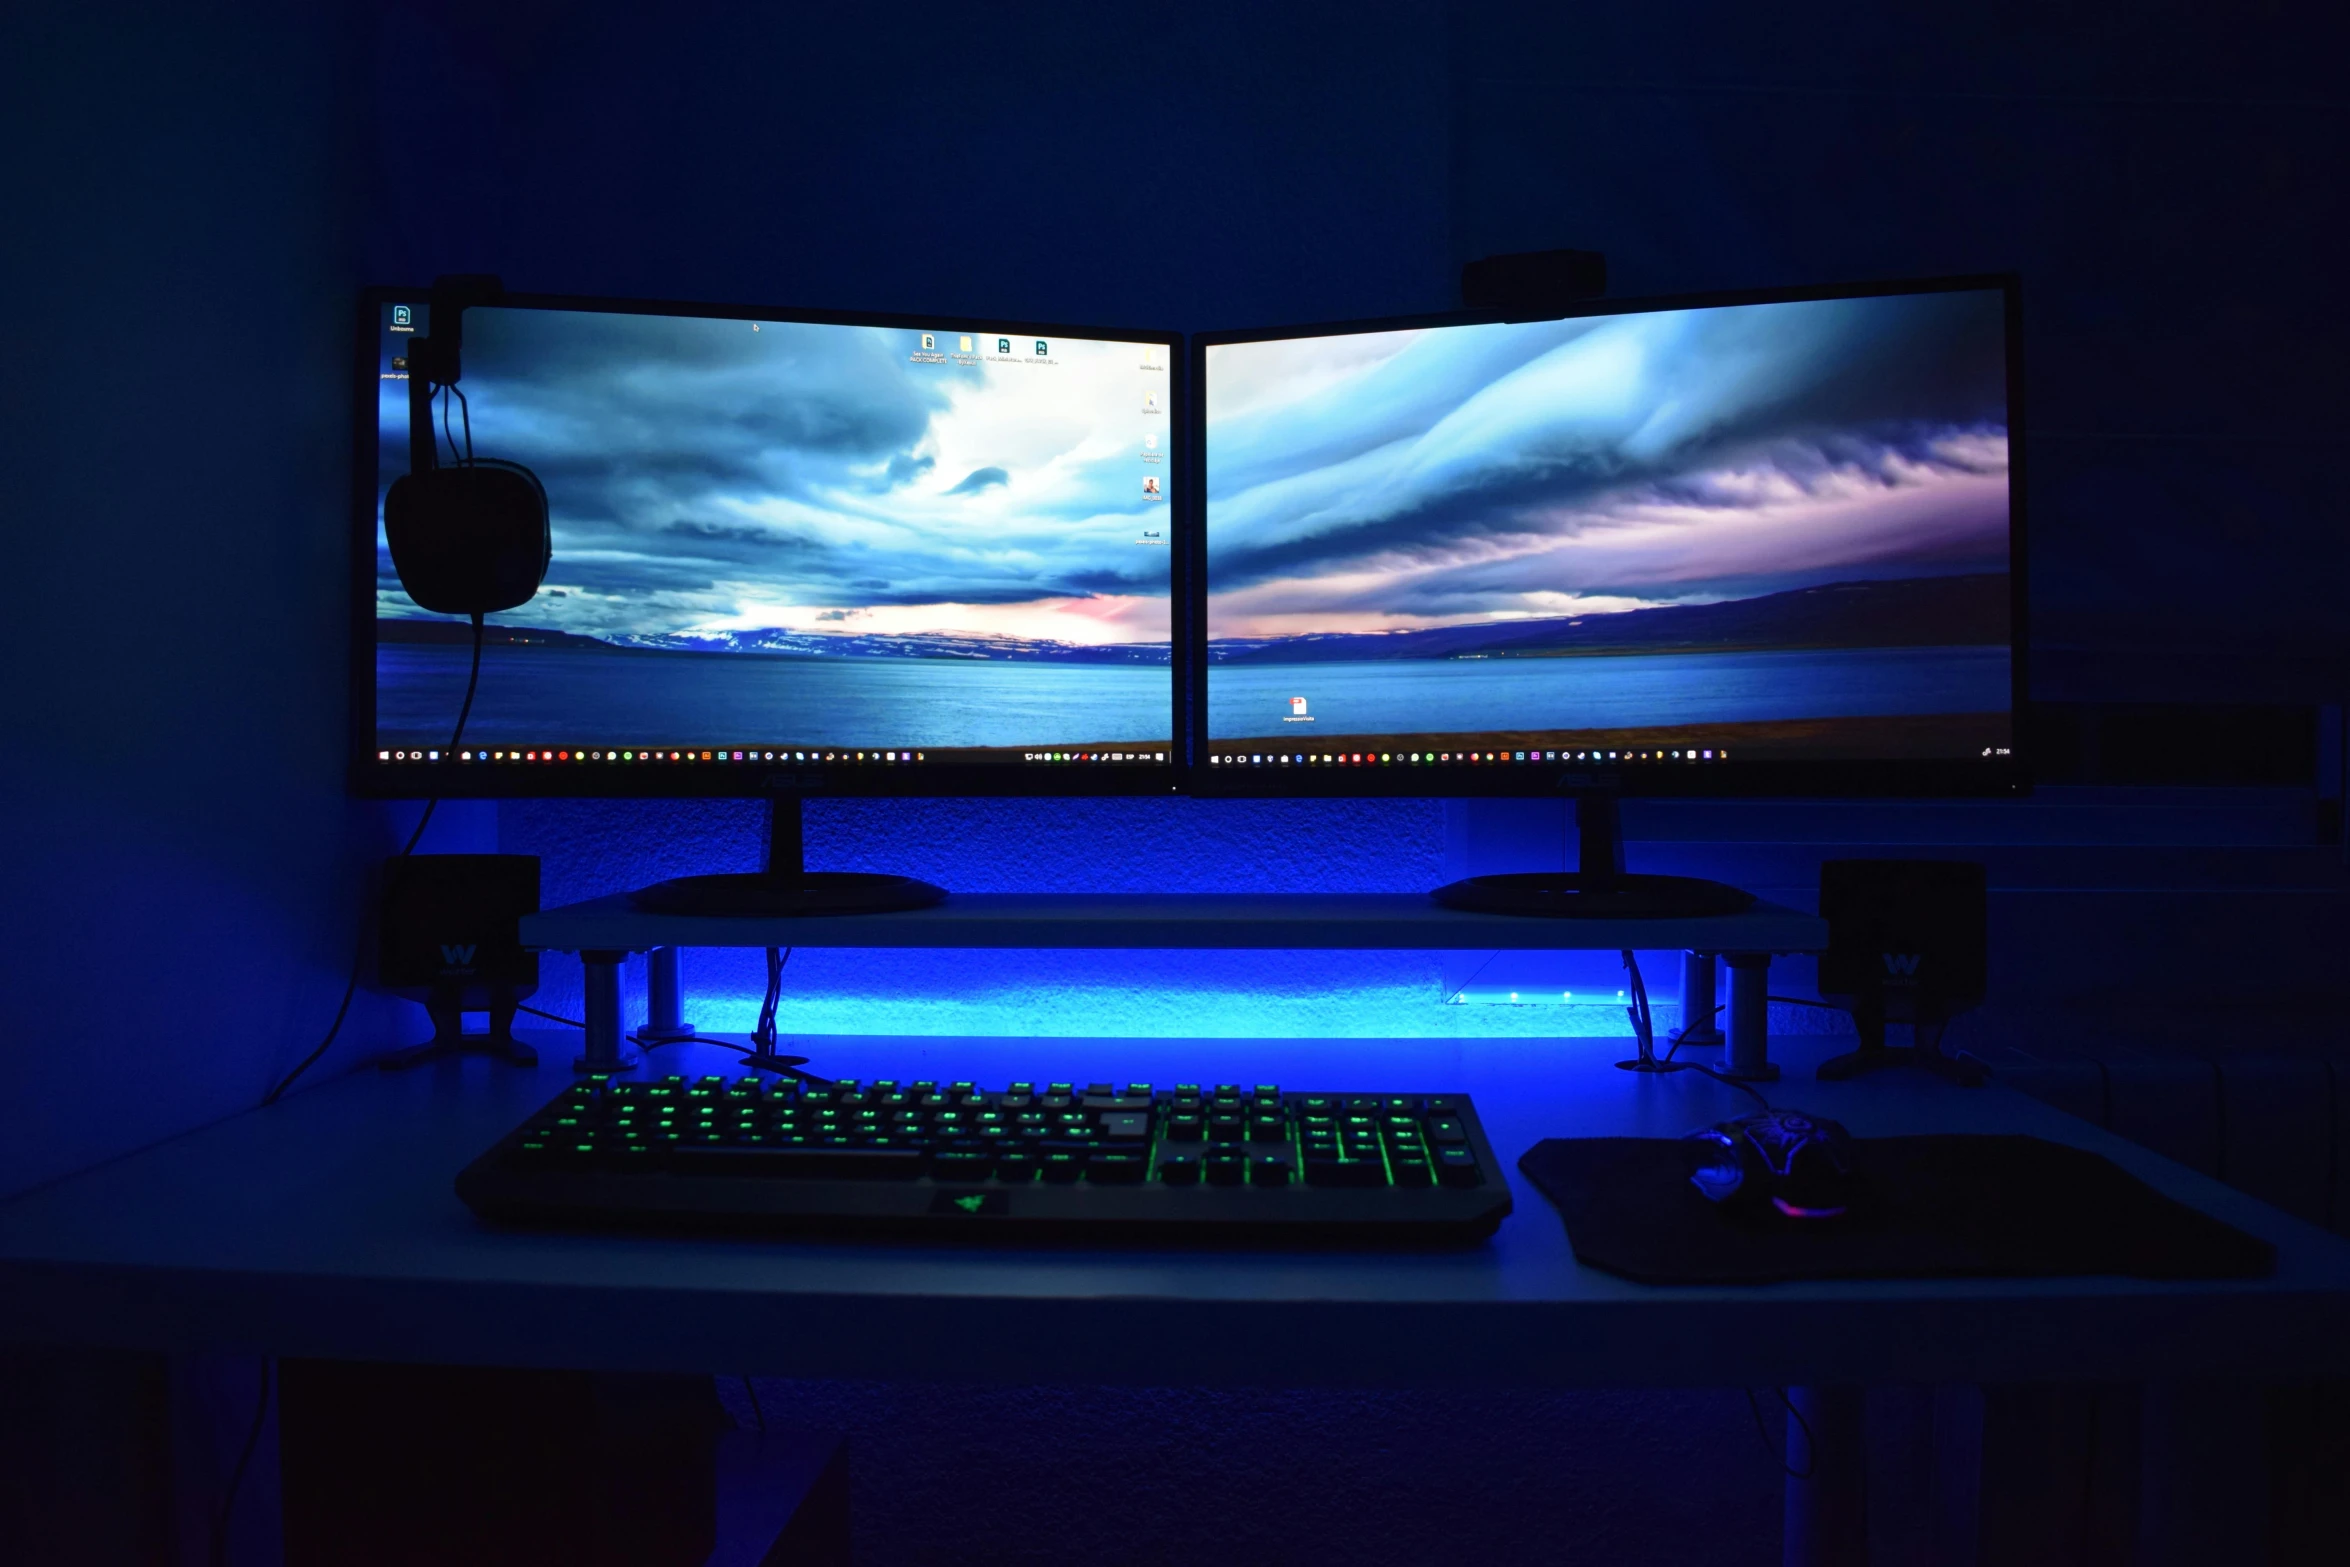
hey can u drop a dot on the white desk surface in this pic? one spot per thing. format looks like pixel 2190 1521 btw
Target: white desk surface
pixel 326 1226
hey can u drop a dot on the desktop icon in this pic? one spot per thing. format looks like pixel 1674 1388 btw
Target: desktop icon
pixel 401 316
pixel 1040 348
pixel 1150 442
pixel 1150 486
pixel 1003 345
pixel 1297 706
pixel 929 341
pixel 966 345
pixel 1153 355
pixel 1150 402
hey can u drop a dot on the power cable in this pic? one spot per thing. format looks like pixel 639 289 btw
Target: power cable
pixel 1811 1451
pixel 236 1479
pixel 1740 1084
pixel 764 1034
pixel 366 925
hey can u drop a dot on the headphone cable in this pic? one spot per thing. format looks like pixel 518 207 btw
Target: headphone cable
pixel 359 950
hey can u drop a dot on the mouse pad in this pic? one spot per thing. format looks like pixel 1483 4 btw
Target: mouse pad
pixel 1940 1206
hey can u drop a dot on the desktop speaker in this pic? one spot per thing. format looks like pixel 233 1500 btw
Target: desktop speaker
pixel 1907 943
pixel 449 935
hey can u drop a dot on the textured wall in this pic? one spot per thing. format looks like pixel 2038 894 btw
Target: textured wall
pixel 2165 176
pixel 182 868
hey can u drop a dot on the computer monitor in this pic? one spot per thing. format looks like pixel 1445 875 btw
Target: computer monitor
pixel 1766 543
pixel 794 553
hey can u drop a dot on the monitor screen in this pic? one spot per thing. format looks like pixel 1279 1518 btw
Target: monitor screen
pixel 1693 547
pixel 790 555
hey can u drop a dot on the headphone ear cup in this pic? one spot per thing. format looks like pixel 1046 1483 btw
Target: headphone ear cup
pixel 469 540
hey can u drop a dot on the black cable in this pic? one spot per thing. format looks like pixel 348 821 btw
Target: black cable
pixel 765 1060
pixel 423 820
pixel 567 1022
pixel 712 1041
pixel 759 1414
pixel 1643 1027
pixel 764 1035
pixel 366 924
pixel 1680 1035
pixel 1644 1022
pixel 1742 1086
pixel 228 1502
pixel 465 408
pixel 1811 1456
pixel 472 684
pixel 1799 1001
pixel 445 435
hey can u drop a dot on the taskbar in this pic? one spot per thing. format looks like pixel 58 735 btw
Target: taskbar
pixel 660 756
pixel 1471 758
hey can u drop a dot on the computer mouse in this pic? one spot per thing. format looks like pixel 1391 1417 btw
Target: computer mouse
pixel 1800 1165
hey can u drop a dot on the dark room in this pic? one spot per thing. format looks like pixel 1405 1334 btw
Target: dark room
pixel 1639 857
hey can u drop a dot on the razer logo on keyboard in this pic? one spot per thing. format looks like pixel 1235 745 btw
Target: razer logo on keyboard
pixel 972 1205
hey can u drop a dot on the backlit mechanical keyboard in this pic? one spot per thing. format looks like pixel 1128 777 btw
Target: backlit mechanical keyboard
pixel 954 1157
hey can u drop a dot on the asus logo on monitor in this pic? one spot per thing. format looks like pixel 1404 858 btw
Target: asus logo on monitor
pixel 794 782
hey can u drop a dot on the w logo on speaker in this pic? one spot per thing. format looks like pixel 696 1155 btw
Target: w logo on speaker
pixel 1903 964
pixel 462 957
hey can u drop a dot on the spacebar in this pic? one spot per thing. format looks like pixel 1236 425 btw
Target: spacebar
pixel 883 1164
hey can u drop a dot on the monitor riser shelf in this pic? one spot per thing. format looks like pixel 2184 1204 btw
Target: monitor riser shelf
pixel 605 931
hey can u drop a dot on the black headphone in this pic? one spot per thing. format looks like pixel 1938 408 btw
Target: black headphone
pixel 471 538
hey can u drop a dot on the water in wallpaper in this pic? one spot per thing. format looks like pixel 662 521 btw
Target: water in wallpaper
pixel 823 535
pixel 1782 523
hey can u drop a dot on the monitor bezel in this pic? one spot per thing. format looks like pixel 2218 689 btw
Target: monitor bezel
pixel 1969 777
pixel 370 778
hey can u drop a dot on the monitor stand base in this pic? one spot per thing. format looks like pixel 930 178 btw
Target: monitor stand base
pixel 1572 895
pixel 1601 889
pixel 757 894
pixel 786 887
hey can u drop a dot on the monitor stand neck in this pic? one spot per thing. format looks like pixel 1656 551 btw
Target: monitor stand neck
pixel 1599 840
pixel 787 838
